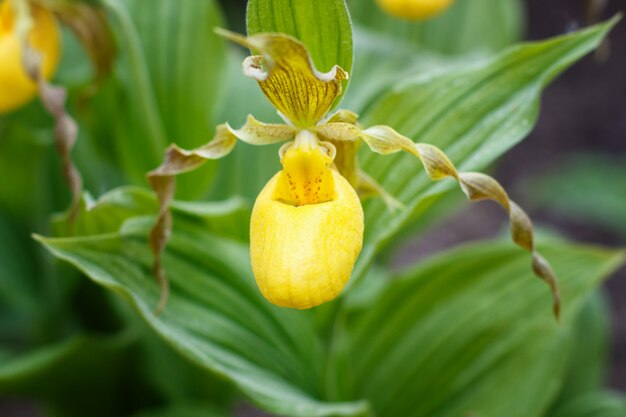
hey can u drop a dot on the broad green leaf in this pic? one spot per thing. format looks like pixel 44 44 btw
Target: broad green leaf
pixel 474 115
pixel 129 101
pixel 595 404
pixel 216 316
pixel 228 218
pixel 585 188
pixel 322 25
pixel 468 26
pixel 175 377
pixel 109 212
pixel 167 82
pixel 186 61
pixel 462 334
pixel 587 364
pixel 380 61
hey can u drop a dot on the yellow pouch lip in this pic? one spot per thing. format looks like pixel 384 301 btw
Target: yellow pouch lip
pixel 303 256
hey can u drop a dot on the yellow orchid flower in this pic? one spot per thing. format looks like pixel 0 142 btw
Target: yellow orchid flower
pixel 414 9
pixel 307 223
pixel 16 87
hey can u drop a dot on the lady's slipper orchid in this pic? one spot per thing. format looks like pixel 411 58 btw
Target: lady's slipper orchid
pixel 307 223
pixel 16 87
pixel 414 9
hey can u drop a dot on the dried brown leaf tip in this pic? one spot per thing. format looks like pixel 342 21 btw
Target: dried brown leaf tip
pixel 314 198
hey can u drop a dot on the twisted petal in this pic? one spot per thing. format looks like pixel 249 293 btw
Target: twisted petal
pixel 342 131
pixel 476 186
pixel 257 133
pixel 288 78
pixel 178 161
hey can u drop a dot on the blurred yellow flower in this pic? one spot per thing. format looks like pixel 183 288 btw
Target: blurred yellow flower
pixel 16 87
pixel 414 9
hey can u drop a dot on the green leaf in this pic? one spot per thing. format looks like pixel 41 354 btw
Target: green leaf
pixel 588 360
pixel 129 100
pixel 229 218
pixel 584 188
pixel 381 61
pixel 595 404
pixel 474 115
pixel 216 316
pixel 461 334
pixel 186 61
pixel 322 25
pixel 468 26
pixel 109 212
pixel 175 377
pixel 169 82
